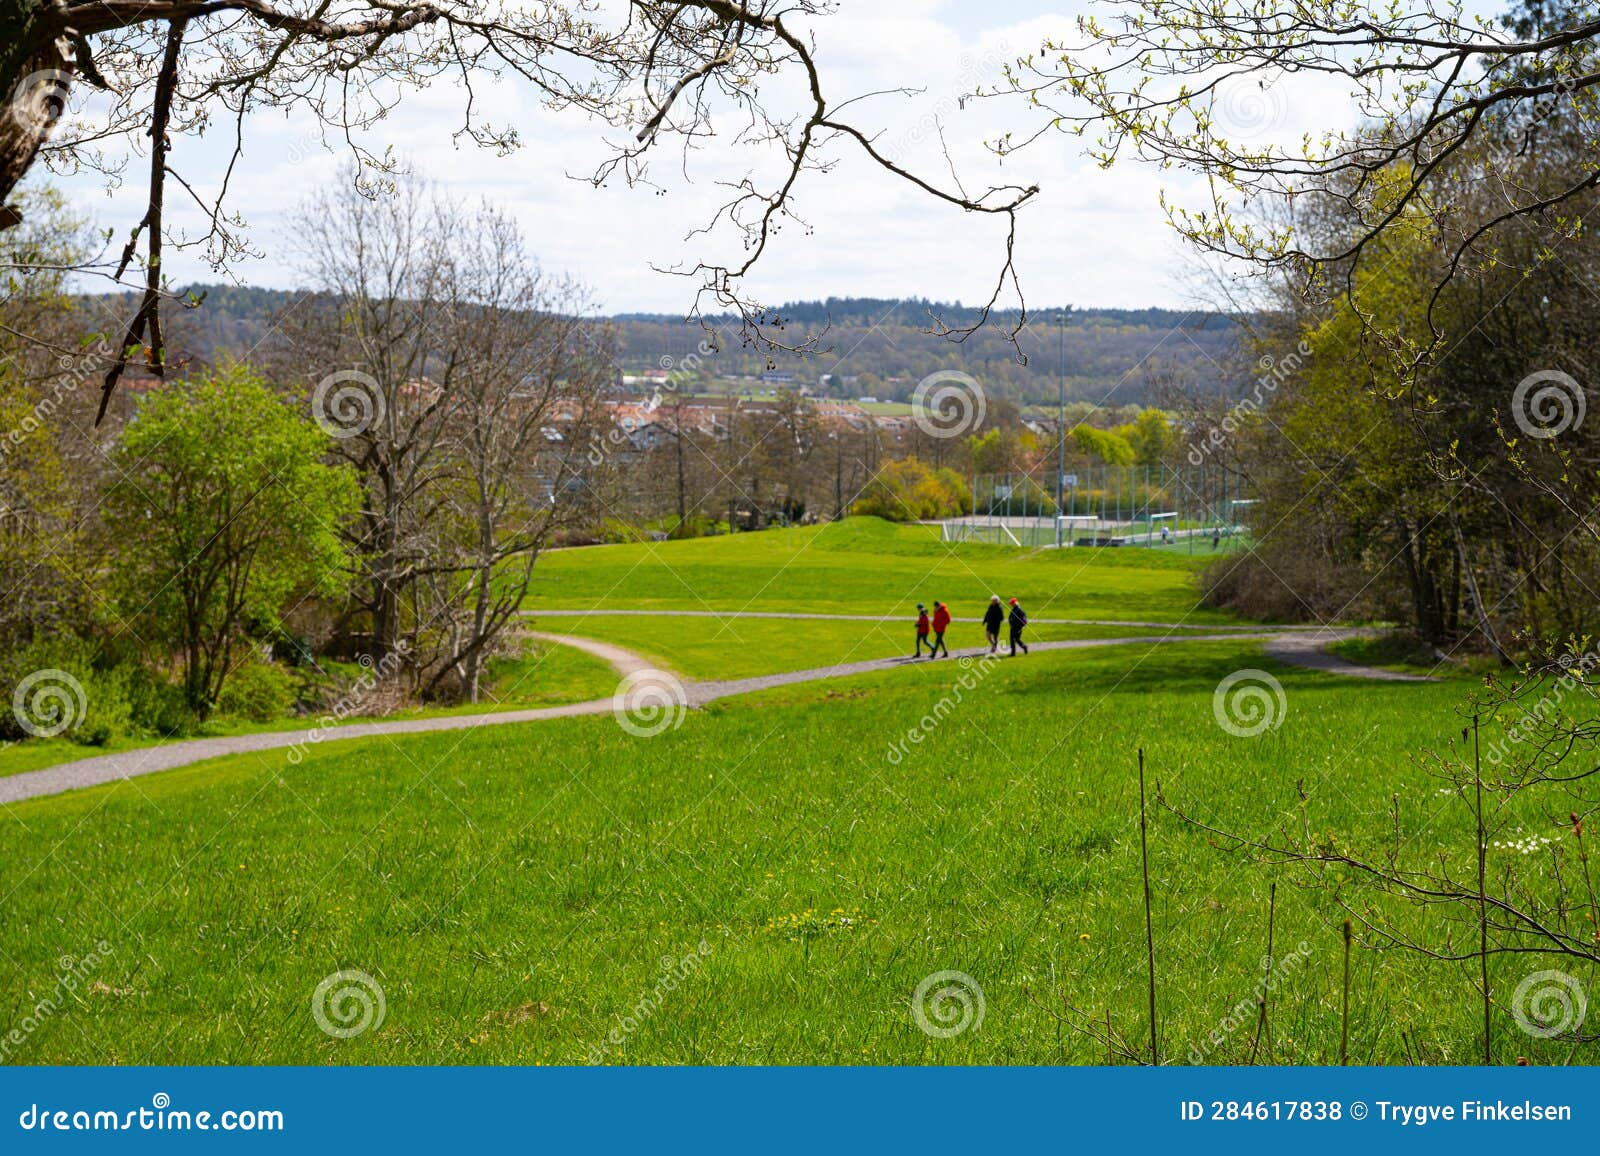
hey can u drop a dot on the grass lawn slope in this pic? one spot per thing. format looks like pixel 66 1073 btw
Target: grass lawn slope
pixel 770 879
pixel 866 566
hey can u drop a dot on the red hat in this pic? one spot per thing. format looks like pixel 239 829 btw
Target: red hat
pixel 1013 602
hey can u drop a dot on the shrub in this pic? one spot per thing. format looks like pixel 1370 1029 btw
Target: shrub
pixel 907 490
pixel 956 490
pixel 614 530
pixel 694 526
pixel 159 707
pixel 53 685
pixel 227 512
pixel 258 691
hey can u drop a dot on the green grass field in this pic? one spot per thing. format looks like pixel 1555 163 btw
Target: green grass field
pixel 863 566
pixel 772 879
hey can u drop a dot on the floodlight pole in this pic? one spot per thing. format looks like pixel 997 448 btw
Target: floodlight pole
pixel 1061 415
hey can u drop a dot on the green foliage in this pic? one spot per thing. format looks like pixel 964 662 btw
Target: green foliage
pixel 120 699
pixel 908 490
pixel 38 254
pixel 54 684
pixel 1151 436
pixel 954 485
pixel 47 466
pixel 160 710
pixel 226 512
pixel 257 691
pixel 996 451
pixel 1358 520
pixel 614 530
pixel 1103 445
pixel 694 526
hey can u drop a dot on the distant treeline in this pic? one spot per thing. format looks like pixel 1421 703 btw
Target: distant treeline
pixel 868 346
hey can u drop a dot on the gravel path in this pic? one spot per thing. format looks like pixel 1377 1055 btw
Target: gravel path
pixel 730 616
pixel 1307 651
pixel 624 662
pixel 127 764
pixel 1300 648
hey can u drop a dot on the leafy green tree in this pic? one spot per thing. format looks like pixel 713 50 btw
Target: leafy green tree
pixel 49 468
pixel 993 452
pixel 226 513
pixel 1151 436
pixel 1108 447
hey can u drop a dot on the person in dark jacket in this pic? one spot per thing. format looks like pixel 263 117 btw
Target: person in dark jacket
pixel 941 623
pixel 992 618
pixel 1018 619
pixel 922 628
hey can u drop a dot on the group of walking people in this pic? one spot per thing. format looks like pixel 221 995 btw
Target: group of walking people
pixel 931 628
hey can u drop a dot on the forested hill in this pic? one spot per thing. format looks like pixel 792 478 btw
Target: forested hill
pixel 873 347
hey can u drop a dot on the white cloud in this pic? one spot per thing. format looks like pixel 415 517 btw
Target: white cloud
pixel 1091 237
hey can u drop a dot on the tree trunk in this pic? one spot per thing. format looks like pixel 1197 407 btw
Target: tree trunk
pixel 683 509
pixel 386 610
pixel 195 677
pixel 1421 582
pixel 35 76
pixel 473 674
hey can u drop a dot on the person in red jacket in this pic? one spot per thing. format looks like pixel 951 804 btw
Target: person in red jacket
pixel 922 628
pixel 941 623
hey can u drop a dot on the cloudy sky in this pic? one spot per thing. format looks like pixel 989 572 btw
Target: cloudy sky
pixel 1092 237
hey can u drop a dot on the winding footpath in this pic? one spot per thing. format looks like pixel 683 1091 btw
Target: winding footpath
pixel 1299 646
pixel 903 619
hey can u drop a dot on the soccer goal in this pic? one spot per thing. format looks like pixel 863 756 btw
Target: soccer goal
pixel 1070 526
pixel 1162 528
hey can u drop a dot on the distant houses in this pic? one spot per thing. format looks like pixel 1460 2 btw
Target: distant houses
pixel 650 421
